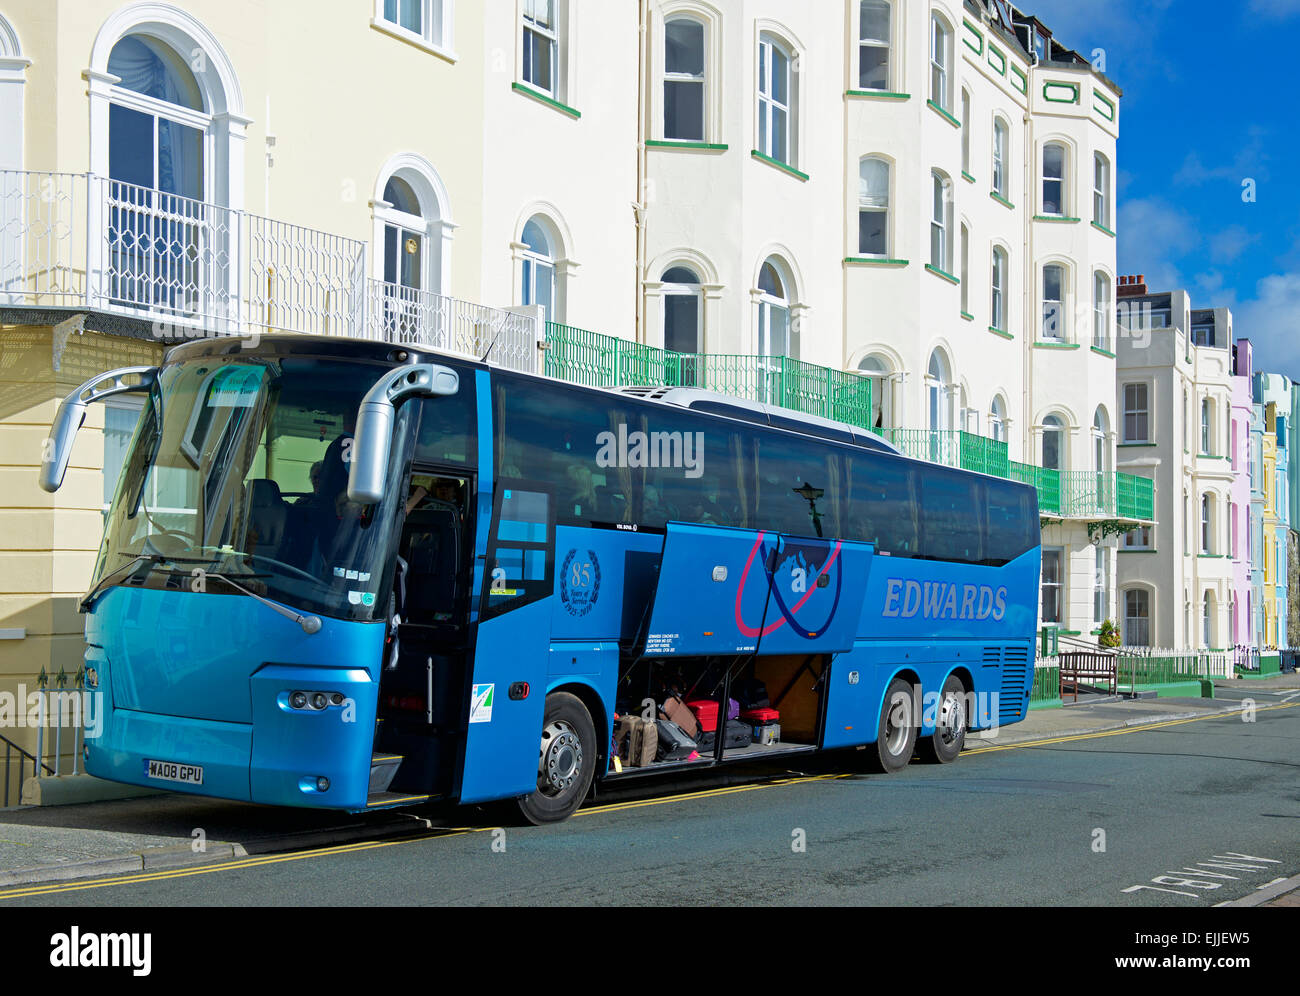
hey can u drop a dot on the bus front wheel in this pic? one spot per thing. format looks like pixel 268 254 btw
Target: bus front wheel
pixel 896 733
pixel 565 762
pixel 943 746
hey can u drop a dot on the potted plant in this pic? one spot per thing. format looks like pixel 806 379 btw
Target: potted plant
pixel 1108 636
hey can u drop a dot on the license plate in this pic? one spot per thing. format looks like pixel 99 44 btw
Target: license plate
pixel 173 771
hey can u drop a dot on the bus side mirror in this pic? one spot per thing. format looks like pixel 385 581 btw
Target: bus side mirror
pixel 373 439
pixel 72 412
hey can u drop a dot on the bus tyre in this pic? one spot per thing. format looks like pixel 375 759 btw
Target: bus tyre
pixel 565 762
pixel 943 746
pixel 896 732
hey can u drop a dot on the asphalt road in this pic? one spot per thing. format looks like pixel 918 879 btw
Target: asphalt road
pixel 1190 813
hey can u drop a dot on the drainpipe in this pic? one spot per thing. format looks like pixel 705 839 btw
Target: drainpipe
pixel 639 206
pixel 1029 283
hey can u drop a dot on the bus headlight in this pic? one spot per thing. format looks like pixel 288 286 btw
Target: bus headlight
pixel 298 700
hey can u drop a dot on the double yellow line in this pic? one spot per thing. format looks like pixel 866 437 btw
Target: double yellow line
pixel 445 832
pixel 325 852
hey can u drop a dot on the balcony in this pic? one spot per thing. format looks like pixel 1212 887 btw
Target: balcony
pixel 599 360
pixel 82 242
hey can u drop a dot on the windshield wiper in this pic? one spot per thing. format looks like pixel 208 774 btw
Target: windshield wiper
pixel 108 579
pixel 309 624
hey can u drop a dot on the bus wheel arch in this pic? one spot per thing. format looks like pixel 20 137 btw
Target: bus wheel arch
pixel 590 698
pixel 566 760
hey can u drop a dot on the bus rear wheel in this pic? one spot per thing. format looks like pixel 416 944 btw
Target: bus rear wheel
pixel 943 746
pixel 896 732
pixel 566 761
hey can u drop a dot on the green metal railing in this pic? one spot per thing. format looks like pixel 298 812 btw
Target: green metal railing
pixel 1047 684
pixel 952 448
pixel 1135 497
pixel 598 360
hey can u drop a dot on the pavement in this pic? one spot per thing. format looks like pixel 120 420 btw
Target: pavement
pixel 63 843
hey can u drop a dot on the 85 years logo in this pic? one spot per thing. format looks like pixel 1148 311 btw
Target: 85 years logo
pixel 580 582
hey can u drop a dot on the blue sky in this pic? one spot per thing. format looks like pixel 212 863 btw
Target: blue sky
pixel 1210 101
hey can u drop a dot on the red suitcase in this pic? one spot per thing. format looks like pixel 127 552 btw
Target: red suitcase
pixel 706 711
pixel 759 717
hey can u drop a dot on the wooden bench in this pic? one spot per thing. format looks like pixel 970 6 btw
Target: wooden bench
pixel 1079 666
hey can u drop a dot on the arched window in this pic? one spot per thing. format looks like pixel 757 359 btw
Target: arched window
pixel 538 267
pixel 940 222
pixel 878 371
pixel 1207 523
pixel 684 79
pixel 775 336
pixel 940 62
pixel 1001 151
pixel 938 390
pixel 1054 303
pixel 874 44
pixel 1137 617
pixel 1101 310
pixel 1053 443
pixel 1054 173
pixel 683 309
pixel 157 126
pixel 998 420
pixel 404 236
pixel 964 273
pixel 965 131
pixel 776 100
pixel 1206 421
pixel 1208 616
pixel 1101 190
pixel 873 207
pixel 998 311
pixel 1100 440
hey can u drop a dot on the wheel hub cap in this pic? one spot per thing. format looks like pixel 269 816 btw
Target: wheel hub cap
pixel 952 719
pixel 561 758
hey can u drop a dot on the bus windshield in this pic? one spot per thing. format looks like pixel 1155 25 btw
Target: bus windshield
pixel 239 467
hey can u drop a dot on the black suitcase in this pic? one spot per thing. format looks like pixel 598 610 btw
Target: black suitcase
pixel 674 744
pixel 738 734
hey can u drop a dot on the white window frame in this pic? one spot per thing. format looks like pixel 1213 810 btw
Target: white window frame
pixel 552 33
pixel 1001 152
pixel 1063 180
pixel 965 131
pixel 1062 331
pixel 1101 190
pixel 964 274
pixel 1145 599
pixel 768 105
pixel 1100 587
pixel 887 44
pixel 1101 310
pixel 437 18
pixel 1134 410
pixel 1207 523
pixel 1138 538
pixel 941 226
pixel 941 37
pixel 701 79
pixel 865 208
pixel 696 291
pixel 1058 585
pixel 998 288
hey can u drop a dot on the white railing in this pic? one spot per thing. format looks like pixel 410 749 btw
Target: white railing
pixel 75 240
pixel 418 317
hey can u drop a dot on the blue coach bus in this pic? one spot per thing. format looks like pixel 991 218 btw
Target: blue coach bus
pixel 348 574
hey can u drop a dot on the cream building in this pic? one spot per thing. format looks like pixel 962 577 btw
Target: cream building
pixel 919 194
pixel 1174 392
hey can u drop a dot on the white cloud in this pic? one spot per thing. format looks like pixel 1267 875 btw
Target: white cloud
pixel 1153 234
pixel 1272 323
pixel 1275 8
pixel 1230 243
